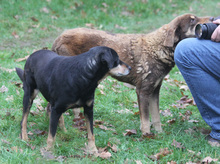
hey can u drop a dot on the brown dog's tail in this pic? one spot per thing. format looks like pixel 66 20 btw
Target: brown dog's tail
pixel 20 73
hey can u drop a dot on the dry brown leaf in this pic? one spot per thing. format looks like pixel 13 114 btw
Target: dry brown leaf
pixel 166 112
pixel 3 89
pixel 138 162
pixel 162 153
pixel 99 122
pixel 104 155
pixel 22 59
pixel 47 154
pixel 130 132
pixel 177 144
pixel 148 135
pixel 7 70
pixel 16 36
pixel 39 132
pixel 172 162
pixel 45 10
pixel 105 128
pixel 34 19
pixel 171 121
pixel 209 160
pixel 10 98
pixel 113 147
pixel 31 146
pixel 4 141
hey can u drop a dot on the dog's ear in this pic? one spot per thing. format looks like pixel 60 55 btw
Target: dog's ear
pixel 170 38
pixel 171 31
pixel 109 57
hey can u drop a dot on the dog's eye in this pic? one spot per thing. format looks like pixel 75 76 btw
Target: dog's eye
pixel 192 20
pixel 116 63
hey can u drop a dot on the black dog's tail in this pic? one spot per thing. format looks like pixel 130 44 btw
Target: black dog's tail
pixel 20 73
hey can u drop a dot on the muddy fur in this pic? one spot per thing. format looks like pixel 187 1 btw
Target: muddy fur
pixel 151 57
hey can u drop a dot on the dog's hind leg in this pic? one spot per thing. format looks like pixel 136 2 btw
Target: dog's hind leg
pixel 54 119
pixel 76 112
pixel 29 95
pixel 88 113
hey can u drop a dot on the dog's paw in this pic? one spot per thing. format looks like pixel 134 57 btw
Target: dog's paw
pixel 91 149
pixel 24 137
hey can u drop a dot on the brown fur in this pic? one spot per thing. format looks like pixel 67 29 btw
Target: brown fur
pixel 151 57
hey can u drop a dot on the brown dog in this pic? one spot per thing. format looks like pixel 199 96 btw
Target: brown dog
pixel 149 55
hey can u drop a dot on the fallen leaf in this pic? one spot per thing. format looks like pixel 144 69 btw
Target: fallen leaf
pixel 193 121
pixel 120 27
pixel 4 141
pixel 45 10
pixel 105 155
pixel 130 132
pixel 184 87
pixel 99 122
pixel 172 162
pixel 7 70
pixel 47 154
pixel 105 128
pixel 171 121
pixel 10 98
pixel 61 158
pixel 124 111
pixel 34 19
pixel 90 25
pixel 39 132
pixel 138 162
pixel 3 89
pixel 166 112
pixel 184 102
pixel 14 148
pixel 162 153
pixel 113 147
pixel 148 135
pixel 209 160
pixel 31 146
pixel 22 59
pixel 177 144
pixel 16 36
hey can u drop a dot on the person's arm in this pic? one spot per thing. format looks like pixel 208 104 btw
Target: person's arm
pixel 216 34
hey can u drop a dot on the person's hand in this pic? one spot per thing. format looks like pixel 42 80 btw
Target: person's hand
pixel 216 34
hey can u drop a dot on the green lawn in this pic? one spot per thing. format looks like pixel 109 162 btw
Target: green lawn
pixel 29 25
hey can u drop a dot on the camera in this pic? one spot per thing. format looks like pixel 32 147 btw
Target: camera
pixel 204 31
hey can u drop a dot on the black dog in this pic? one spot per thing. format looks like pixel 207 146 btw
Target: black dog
pixel 67 82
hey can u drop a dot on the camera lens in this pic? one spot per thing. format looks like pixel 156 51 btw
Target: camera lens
pixel 198 31
pixel 204 31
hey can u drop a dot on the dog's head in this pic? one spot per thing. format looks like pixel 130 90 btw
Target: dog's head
pixel 182 27
pixel 110 58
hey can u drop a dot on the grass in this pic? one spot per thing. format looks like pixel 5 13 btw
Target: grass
pixel 29 25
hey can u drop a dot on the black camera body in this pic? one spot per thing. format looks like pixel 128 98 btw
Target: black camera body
pixel 204 31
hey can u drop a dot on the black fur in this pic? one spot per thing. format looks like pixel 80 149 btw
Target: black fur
pixel 66 82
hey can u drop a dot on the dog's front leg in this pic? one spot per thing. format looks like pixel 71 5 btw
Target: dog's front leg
pixel 154 109
pixel 54 119
pixel 61 120
pixel 143 103
pixel 88 113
